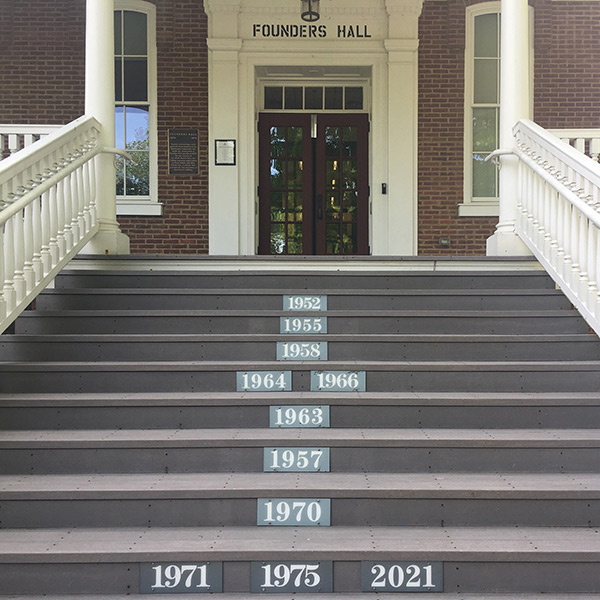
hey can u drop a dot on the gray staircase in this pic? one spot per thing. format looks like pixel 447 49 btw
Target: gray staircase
pixel 432 434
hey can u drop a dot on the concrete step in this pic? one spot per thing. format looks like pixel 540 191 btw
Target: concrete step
pixel 284 280
pixel 355 499
pixel 269 322
pixel 251 410
pixel 369 299
pixel 486 559
pixel 398 376
pixel 334 450
pixel 242 347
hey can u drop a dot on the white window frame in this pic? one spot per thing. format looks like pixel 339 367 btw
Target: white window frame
pixel 146 205
pixel 480 207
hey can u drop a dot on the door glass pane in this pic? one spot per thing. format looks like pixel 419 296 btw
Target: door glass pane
pixel 294 173
pixel 350 205
pixel 350 238
pixel 332 206
pixel 350 174
pixel 333 174
pixel 333 244
pixel 332 141
pixel 277 238
pixel 277 208
pixel 294 141
pixel 276 173
pixel 294 241
pixel 294 206
pixel 350 141
pixel 277 141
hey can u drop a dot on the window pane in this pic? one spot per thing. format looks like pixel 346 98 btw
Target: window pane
pixel 134 35
pixel 136 79
pixel 486 35
pixel 350 144
pixel 486 81
pixel 294 241
pixel 277 174
pixel 120 127
pixel 137 179
pixel 313 98
pixel 354 98
pixel 137 123
pixel 485 129
pixel 293 97
pixel 273 98
pixel 120 168
pixel 118 80
pixel 484 177
pixel 332 141
pixel 118 49
pixel 277 211
pixel 334 98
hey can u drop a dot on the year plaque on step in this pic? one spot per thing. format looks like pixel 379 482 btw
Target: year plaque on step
pixel 307 577
pixel 402 576
pixel 181 578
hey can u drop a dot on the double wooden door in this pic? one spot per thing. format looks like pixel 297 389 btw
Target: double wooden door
pixel 313 184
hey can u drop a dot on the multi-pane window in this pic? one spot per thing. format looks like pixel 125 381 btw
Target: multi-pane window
pixel 485 103
pixel 313 97
pixel 132 103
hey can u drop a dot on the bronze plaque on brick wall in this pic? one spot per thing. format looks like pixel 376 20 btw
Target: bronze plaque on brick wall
pixel 183 151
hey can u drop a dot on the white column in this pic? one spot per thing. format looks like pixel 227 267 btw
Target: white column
pixel 514 105
pixel 100 103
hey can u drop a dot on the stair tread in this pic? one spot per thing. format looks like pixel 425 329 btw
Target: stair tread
pixel 503 544
pixel 335 596
pixel 332 485
pixel 253 398
pixel 391 365
pixel 338 437
pixel 139 291
pixel 272 337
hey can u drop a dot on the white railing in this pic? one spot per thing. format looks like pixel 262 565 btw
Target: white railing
pixel 47 211
pixel 587 141
pixel 559 214
pixel 16 137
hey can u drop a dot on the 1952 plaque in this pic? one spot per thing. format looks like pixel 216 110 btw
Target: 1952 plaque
pixel 183 151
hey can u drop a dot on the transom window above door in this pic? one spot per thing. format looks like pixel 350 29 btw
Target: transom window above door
pixel 313 97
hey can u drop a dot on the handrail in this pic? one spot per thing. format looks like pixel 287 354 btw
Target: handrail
pixel 14 137
pixel 559 214
pixel 47 211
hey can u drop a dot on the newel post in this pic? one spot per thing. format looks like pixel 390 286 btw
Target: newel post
pixel 514 105
pixel 100 103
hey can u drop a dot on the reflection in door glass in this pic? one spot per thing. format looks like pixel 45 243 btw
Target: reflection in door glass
pixel 286 190
pixel 341 185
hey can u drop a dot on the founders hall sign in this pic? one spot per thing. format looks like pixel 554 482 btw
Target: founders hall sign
pixel 270 30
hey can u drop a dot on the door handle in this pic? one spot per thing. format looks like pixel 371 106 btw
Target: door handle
pixel 320 207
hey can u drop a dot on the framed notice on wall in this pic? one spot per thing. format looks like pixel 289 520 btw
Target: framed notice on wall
pixel 183 152
pixel 224 152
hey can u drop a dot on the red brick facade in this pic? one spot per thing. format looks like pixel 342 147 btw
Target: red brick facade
pixel 42 70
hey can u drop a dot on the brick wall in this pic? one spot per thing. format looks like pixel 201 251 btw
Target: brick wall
pixel 441 138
